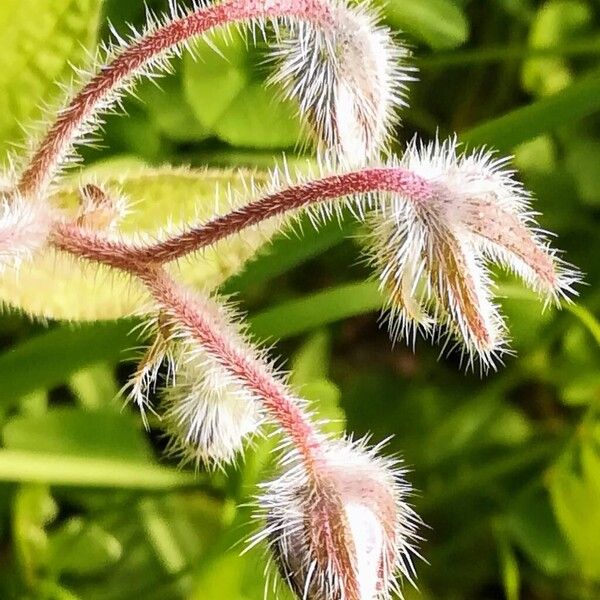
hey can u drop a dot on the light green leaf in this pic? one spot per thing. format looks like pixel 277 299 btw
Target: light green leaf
pixel 571 104
pixel 33 508
pixel 555 22
pixel 534 530
pixel 56 469
pixel 310 312
pixel 39 40
pixel 509 566
pixel 576 504
pixel 310 369
pixel 229 97
pixel 95 386
pixel 438 23
pixel 81 548
pixel 58 286
pixel 60 353
pixel 79 433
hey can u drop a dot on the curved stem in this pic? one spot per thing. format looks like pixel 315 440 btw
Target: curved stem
pixel 187 309
pixel 93 246
pixel 99 92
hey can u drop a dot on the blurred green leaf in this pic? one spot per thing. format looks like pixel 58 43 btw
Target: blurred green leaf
pixel 229 97
pixel 438 23
pixel 79 433
pixel 95 386
pixel 555 22
pixel 576 504
pixel 310 368
pixel 41 39
pixel 33 508
pixel 533 528
pixel 509 566
pixel 582 159
pixel 58 354
pixel 81 548
pixel 310 312
pixel 85 471
pixel 580 99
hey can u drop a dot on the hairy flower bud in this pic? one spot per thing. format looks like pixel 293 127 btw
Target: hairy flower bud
pixel 431 253
pixel 206 411
pixel 207 414
pixel 347 79
pixel 344 530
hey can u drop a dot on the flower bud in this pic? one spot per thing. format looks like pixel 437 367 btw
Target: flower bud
pixel 432 253
pixel 347 80
pixel 343 530
pixel 207 414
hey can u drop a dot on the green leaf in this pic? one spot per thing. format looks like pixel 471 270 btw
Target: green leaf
pixel 310 312
pixel 56 469
pixel 229 96
pixel 509 566
pixel 534 530
pixel 60 287
pixel 555 22
pixel 576 504
pixel 60 353
pixel 33 508
pixel 79 433
pixel 438 23
pixel 81 548
pixel 95 386
pixel 40 41
pixel 287 252
pixel 310 368
pixel 574 102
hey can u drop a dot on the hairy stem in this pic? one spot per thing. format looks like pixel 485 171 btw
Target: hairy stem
pixel 118 254
pixel 275 396
pixel 132 61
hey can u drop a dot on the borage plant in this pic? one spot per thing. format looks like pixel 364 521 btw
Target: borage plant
pixel 337 520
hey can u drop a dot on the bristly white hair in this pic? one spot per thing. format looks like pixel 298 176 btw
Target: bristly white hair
pixel 349 80
pixel 24 226
pixel 432 257
pixel 361 501
pixel 207 414
pixel 206 410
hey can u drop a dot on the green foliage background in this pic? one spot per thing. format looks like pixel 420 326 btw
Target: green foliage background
pixel 507 467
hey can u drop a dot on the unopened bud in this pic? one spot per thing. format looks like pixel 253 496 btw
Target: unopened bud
pixel 344 530
pixel 347 79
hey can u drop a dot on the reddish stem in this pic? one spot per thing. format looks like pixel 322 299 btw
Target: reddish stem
pixel 63 133
pixel 276 400
pixel 93 246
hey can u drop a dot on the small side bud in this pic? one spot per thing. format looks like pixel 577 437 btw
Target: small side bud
pixel 343 531
pixel 207 414
pixel 347 78
pixel 98 209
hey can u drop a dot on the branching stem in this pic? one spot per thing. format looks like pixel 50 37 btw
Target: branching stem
pixel 132 61
pixel 121 255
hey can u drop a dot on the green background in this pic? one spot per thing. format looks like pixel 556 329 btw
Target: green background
pixel 506 467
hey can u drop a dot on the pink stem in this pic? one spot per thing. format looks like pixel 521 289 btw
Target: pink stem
pixel 274 395
pixel 93 246
pixel 63 133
